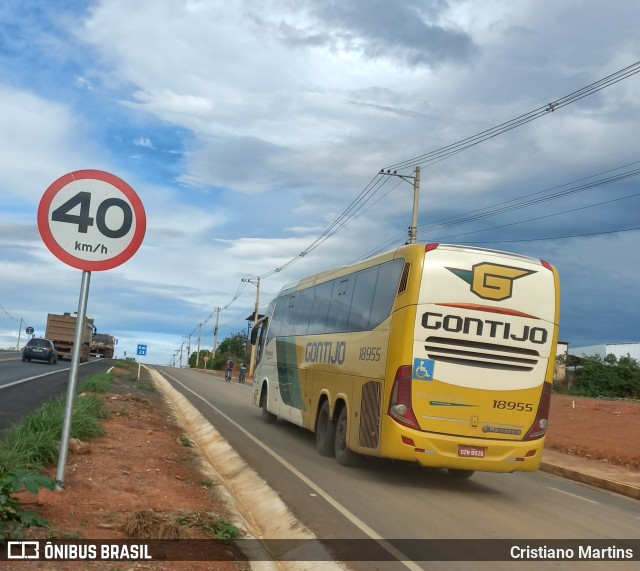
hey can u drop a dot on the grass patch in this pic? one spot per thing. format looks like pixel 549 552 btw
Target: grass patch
pixel 34 443
pixel 144 386
pixel 100 383
pixel 216 526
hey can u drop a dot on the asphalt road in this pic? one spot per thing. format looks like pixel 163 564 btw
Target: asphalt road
pixel 26 386
pixel 396 500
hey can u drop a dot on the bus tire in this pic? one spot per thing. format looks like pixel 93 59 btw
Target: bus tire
pixel 460 474
pixel 267 416
pixel 344 456
pixel 325 432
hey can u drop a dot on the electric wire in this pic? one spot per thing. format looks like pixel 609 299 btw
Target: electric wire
pixel 473 140
pixel 565 237
pixel 351 212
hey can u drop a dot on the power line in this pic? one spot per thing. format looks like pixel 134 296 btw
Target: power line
pixel 513 204
pixel 7 314
pixel 454 148
pixel 545 216
pixel 357 205
pixel 566 237
pixel 348 215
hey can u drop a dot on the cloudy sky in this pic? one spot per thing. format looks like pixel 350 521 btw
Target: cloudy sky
pixel 248 128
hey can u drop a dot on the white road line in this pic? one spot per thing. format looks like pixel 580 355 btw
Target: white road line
pixel 355 520
pixel 574 496
pixel 37 377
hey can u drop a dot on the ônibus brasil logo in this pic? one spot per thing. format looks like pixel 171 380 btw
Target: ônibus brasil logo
pixel 491 281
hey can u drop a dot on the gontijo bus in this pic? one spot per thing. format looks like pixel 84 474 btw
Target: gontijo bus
pixel 437 354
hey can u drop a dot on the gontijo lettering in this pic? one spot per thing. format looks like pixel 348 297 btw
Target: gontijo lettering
pixel 326 352
pixel 474 326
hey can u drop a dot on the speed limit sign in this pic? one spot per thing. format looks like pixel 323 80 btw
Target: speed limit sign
pixel 91 220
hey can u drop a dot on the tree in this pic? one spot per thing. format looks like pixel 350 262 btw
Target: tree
pixel 608 377
pixel 234 346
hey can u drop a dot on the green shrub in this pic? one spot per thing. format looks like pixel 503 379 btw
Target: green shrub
pixel 13 516
pixel 609 377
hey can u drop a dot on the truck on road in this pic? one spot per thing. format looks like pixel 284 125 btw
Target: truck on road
pixel 61 330
pixel 103 345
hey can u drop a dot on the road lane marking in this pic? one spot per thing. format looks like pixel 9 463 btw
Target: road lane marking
pixel 38 376
pixel 355 520
pixel 574 496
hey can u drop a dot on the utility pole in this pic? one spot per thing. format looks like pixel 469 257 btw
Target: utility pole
pixel 198 353
pixel 215 333
pixel 19 332
pixel 252 361
pixel 415 181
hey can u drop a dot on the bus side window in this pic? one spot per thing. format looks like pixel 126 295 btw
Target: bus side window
pixel 305 302
pixel 340 304
pixel 362 301
pixel 320 308
pixel 386 288
pixel 288 320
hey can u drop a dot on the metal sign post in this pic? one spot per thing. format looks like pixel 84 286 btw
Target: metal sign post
pixel 141 352
pixel 73 376
pixel 92 221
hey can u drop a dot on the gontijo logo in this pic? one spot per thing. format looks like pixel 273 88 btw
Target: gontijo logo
pixel 491 281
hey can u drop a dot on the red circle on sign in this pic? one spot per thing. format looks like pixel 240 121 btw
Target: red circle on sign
pixel 66 256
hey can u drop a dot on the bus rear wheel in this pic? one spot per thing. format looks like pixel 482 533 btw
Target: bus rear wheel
pixel 267 416
pixel 325 432
pixel 344 456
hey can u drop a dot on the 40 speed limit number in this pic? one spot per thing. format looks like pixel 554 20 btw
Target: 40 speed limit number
pixel 91 220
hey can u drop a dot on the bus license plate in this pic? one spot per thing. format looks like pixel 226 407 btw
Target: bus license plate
pixel 470 451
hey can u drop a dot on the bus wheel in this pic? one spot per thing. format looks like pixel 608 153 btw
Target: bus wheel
pixel 325 432
pixel 344 456
pixel 460 474
pixel 267 416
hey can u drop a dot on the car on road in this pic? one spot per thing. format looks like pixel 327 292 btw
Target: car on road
pixel 41 349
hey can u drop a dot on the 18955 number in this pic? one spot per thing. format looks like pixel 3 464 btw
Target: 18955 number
pixel 511 405
pixel 369 353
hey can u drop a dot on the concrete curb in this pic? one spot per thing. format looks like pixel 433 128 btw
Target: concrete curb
pixel 596 481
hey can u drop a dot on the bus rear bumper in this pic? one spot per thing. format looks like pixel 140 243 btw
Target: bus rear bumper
pixel 459 452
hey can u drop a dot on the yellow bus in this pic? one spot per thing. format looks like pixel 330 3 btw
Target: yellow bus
pixel 437 354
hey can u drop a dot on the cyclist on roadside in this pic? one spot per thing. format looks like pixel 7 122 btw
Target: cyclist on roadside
pixel 243 372
pixel 227 373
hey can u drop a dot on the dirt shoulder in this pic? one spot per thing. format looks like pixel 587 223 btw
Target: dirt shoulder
pixel 597 429
pixel 144 475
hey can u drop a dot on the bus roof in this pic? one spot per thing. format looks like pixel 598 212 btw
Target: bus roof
pixel 406 250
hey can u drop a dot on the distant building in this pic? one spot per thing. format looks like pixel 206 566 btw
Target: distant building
pixel 617 349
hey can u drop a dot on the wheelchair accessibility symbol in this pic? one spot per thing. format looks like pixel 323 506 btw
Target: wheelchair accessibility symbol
pixel 423 369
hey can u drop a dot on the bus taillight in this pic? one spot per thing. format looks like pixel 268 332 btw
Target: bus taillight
pixel 400 403
pixel 539 427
